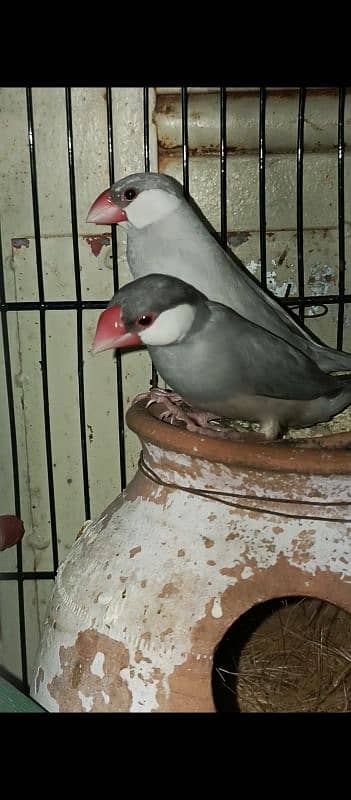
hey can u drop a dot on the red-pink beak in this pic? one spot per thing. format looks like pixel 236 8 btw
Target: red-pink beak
pixel 105 211
pixel 111 332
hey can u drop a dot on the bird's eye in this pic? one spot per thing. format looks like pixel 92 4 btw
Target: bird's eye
pixel 130 194
pixel 145 320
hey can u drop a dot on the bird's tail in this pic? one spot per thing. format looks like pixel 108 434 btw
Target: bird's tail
pixel 330 360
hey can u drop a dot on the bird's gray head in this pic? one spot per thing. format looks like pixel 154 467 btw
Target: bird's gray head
pixel 155 310
pixel 138 200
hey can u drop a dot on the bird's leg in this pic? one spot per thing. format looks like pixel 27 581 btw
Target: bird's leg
pixel 171 401
pixel 192 417
pixel 197 421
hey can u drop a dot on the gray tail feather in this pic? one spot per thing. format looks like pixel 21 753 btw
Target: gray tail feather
pixel 330 360
pixel 344 383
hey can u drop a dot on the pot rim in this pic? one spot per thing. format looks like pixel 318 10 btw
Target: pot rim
pixel 329 457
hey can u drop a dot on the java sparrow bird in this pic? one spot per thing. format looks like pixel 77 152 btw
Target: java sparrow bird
pixel 168 234
pixel 219 362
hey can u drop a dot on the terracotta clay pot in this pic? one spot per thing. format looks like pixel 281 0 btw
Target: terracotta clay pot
pixel 205 530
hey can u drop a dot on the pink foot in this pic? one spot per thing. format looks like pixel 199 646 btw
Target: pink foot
pixel 173 412
pixel 195 420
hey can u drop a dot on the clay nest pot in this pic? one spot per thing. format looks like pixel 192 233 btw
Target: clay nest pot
pixel 320 455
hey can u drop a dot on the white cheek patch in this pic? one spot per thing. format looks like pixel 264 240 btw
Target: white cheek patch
pixel 151 206
pixel 170 327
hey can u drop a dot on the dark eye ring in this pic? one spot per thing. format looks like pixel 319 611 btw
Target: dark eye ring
pixel 130 194
pixel 145 319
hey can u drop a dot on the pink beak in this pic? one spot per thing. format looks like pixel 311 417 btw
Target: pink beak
pixel 111 332
pixel 105 211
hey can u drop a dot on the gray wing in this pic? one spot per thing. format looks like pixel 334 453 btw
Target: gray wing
pixel 266 364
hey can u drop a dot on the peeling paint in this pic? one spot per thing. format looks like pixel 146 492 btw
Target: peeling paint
pixel 279 289
pixel 216 611
pixel 97 666
pixel 97 242
pixel 18 243
pixel 246 573
pixel 87 702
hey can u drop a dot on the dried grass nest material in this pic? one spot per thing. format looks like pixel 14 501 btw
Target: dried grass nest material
pixel 298 659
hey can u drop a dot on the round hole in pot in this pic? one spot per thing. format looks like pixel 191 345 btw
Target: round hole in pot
pixel 290 654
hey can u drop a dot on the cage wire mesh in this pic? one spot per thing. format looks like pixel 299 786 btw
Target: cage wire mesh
pixel 268 168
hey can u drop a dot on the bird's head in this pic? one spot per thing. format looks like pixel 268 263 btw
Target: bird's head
pixel 140 200
pixel 155 310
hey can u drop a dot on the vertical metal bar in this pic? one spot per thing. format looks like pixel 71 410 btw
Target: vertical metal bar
pixel 262 185
pixel 341 215
pixel 121 429
pixel 44 369
pixel 146 129
pixel 185 141
pixel 154 375
pixel 223 162
pixel 15 472
pixel 299 198
pixel 75 242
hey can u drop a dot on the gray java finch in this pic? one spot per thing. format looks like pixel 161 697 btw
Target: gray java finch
pixel 167 235
pixel 218 361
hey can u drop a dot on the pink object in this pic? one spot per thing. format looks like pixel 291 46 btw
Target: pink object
pixel 11 531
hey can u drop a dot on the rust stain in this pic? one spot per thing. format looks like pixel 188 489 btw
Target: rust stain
pixel 134 551
pixel 230 537
pixel 181 553
pixel 211 563
pixel 143 584
pixel 97 242
pixel 76 675
pixel 211 517
pixel 278 529
pixel 168 590
pixel 208 542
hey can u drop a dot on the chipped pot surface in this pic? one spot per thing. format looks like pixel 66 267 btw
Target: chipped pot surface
pixel 149 589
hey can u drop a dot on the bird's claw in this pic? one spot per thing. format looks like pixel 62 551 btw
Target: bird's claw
pixel 150 402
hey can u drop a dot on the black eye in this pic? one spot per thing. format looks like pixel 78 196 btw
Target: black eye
pixel 129 194
pixel 145 320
